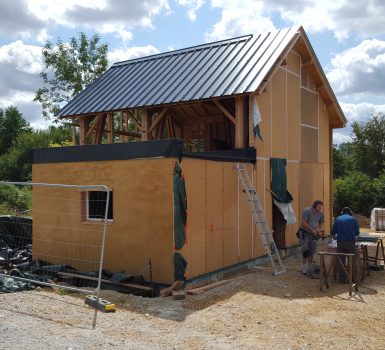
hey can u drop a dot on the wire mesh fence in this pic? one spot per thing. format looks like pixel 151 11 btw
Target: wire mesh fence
pixel 53 235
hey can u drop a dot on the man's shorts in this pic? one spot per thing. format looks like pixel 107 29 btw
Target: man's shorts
pixel 308 245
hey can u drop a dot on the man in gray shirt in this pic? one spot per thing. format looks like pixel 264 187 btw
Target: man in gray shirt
pixel 312 224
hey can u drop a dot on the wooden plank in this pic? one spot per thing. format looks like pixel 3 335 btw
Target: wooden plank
pixel 201 290
pixel 121 126
pixel 158 119
pixel 131 285
pixel 100 129
pixel 146 135
pixel 239 123
pixel 225 111
pixel 111 127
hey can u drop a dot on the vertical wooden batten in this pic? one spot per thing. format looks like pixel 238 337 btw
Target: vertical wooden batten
pixel 241 121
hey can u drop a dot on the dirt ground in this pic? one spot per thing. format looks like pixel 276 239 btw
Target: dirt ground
pixel 256 310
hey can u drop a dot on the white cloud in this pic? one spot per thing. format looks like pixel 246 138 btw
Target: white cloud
pixel 359 70
pixel 17 21
pixel 239 18
pixel 20 65
pixel 359 112
pixel 343 17
pixel 104 16
pixel 130 53
pixel 192 7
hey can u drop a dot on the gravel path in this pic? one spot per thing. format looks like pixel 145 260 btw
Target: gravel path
pixel 254 311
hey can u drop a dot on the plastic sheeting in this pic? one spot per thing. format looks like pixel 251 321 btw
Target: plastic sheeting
pixel 180 208
pixel 377 219
pixel 287 212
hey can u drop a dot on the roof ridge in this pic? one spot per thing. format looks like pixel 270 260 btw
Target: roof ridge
pixel 185 50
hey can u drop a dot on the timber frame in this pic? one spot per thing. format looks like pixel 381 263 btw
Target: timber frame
pixel 221 123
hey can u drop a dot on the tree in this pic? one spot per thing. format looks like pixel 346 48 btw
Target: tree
pixel 68 69
pixel 12 124
pixel 344 161
pixel 369 144
pixel 15 165
pixel 356 191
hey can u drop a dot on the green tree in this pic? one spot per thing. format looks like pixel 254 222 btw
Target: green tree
pixel 356 191
pixel 369 144
pixel 15 165
pixel 344 161
pixel 68 69
pixel 12 124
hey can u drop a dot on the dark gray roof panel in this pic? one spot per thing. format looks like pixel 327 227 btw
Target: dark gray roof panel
pixel 223 68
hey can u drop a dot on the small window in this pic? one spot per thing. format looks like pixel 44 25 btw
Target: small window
pixel 96 205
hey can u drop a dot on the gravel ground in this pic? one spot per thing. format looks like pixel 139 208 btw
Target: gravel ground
pixel 254 311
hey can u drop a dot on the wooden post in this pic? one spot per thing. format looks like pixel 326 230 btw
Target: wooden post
pixel 121 137
pixel 111 127
pixel 73 132
pixel 145 126
pixel 241 122
pixel 84 122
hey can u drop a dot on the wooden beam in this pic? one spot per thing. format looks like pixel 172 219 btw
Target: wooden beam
pixel 84 124
pixel 158 119
pixel 134 118
pixel 94 125
pixel 101 122
pixel 111 127
pixel 241 121
pixel 145 126
pixel 124 133
pixel 225 111
pixel 73 127
pixel 121 125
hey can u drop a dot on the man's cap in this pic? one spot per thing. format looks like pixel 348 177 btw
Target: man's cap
pixel 347 210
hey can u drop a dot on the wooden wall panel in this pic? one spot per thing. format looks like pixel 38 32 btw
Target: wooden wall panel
pixel 262 184
pixel 309 146
pixel 294 117
pixel 309 108
pixel 245 222
pixel 324 131
pixel 230 205
pixel 327 200
pixel 215 239
pixel 306 186
pixel 194 171
pixel 279 117
pixel 294 62
pixel 142 227
pixel 264 105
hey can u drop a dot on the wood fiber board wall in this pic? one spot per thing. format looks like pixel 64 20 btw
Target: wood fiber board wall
pixel 245 222
pixel 324 131
pixel 294 62
pixel 215 239
pixel 142 226
pixel 294 117
pixel 279 120
pixel 327 200
pixel 309 146
pixel 309 107
pixel 306 197
pixel 264 105
pixel 264 196
pixel 230 227
pixel 292 172
pixel 195 250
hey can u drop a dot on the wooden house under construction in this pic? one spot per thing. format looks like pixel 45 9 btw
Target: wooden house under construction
pixel 165 133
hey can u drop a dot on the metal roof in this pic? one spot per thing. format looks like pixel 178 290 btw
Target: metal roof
pixel 218 69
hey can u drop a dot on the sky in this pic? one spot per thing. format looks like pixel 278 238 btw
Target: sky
pixel 347 36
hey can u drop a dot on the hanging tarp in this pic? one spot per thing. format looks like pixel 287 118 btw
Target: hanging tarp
pixel 281 196
pixel 287 211
pixel 256 117
pixel 180 208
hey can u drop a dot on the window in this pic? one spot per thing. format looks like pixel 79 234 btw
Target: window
pixel 96 205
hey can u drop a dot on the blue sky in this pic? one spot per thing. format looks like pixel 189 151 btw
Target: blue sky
pixel 347 36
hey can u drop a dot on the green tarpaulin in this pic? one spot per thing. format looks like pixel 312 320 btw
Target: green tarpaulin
pixel 279 180
pixel 180 208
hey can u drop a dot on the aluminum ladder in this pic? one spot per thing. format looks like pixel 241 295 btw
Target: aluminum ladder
pixel 260 220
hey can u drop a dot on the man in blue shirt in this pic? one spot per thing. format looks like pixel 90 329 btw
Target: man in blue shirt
pixel 345 229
